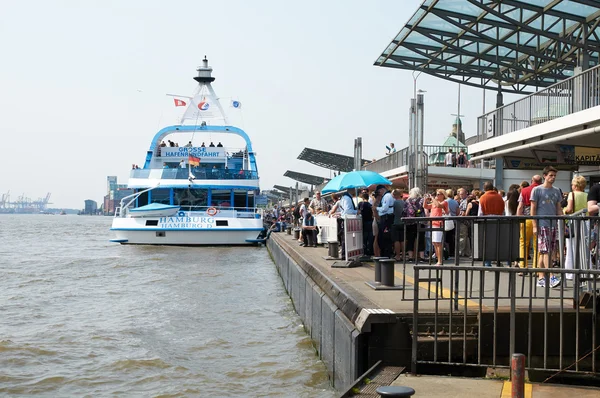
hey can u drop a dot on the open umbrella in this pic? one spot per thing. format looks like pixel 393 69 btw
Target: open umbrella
pixel 355 179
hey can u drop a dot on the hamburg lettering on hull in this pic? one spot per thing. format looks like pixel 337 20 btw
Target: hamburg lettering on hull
pixel 186 222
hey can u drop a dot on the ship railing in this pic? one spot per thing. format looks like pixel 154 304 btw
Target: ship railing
pixel 199 173
pixel 220 211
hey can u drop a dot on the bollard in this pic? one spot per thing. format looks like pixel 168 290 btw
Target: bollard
pixel 395 391
pixel 297 233
pixel 288 229
pixel 517 376
pixel 333 248
pixel 387 271
pixel 378 268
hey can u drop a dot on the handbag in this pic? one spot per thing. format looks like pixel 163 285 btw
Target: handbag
pixel 448 224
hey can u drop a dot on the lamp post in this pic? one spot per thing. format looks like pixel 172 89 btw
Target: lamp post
pixel 415 139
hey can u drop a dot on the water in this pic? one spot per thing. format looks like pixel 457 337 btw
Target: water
pixel 84 317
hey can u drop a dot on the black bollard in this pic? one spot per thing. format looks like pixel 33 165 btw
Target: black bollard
pixel 297 233
pixel 333 248
pixel 387 271
pixel 288 229
pixel 395 391
pixel 378 268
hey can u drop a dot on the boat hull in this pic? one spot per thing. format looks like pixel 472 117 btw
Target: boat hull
pixel 206 231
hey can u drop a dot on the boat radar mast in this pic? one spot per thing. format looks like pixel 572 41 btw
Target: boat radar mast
pixel 204 73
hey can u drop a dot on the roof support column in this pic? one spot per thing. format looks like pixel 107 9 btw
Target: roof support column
pixel 499 176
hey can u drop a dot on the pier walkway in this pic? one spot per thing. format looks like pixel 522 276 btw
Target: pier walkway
pixel 469 318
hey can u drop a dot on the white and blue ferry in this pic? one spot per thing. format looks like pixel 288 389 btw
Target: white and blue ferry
pixel 200 193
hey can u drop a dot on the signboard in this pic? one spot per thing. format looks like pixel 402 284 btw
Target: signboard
pixel 206 154
pixel 353 237
pixel 582 155
pixel 490 125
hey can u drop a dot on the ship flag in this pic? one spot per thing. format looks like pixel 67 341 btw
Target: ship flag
pixel 193 161
pixel 179 102
pixel 236 104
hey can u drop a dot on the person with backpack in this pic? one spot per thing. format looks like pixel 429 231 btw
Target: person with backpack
pixel 414 209
pixel 366 211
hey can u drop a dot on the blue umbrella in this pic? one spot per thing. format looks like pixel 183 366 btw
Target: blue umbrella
pixel 355 179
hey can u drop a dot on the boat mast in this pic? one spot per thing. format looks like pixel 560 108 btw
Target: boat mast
pixel 205 78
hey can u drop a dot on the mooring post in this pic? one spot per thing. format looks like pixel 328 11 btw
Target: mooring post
pixel 517 376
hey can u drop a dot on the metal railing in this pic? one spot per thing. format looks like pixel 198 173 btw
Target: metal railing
pixel 199 173
pixel 389 162
pixel 203 211
pixel 572 95
pixel 434 155
pixel 473 315
pixel 505 314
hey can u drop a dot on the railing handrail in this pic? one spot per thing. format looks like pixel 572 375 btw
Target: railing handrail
pixel 543 91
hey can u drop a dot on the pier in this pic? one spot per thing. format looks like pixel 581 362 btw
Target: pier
pixel 460 320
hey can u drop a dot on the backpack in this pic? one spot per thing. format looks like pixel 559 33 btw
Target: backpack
pixel 413 209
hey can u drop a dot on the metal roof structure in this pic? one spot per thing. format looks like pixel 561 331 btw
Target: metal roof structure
pixel 285 191
pixel 507 45
pixel 305 178
pixel 329 160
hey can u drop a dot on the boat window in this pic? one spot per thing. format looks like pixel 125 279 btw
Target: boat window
pixel 142 200
pixel 161 195
pixel 239 198
pixel 222 223
pixel 151 223
pixel 221 198
pixel 193 199
pixel 250 199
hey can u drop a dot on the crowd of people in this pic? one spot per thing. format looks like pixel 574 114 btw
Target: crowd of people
pixel 384 214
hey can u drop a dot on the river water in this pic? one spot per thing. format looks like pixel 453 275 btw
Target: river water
pixel 80 316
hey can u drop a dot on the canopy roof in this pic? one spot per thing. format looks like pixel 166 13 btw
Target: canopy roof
pixel 329 160
pixel 305 178
pixel 517 44
pixel 285 191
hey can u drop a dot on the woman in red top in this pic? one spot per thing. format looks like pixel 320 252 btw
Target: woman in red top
pixel 438 207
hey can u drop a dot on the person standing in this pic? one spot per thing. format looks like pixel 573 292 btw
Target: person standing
pixel 450 158
pixel 438 206
pixel 490 204
pixel 366 211
pixel 318 202
pixel 545 201
pixel 577 200
pixel 386 220
pixel 464 227
pixel 527 234
pixel 344 206
pixel 398 225
pixel 450 237
pixel 414 209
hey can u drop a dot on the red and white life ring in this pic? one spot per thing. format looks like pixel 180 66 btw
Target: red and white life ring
pixel 211 211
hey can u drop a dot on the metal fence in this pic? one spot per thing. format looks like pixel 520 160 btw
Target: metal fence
pixel 468 314
pixel 569 96
pixel 481 316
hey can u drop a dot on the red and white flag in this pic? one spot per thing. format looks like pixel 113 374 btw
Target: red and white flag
pixel 179 102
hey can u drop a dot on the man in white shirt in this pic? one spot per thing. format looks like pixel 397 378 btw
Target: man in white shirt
pixel 450 158
pixel 345 206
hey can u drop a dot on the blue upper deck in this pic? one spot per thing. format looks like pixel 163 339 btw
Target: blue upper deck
pixel 216 163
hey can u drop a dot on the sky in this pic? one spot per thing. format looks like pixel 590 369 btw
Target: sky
pixel 83 85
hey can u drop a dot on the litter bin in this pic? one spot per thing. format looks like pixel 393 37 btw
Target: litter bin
pixel 297 233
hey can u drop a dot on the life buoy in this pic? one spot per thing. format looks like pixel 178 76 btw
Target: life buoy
pixel 211 211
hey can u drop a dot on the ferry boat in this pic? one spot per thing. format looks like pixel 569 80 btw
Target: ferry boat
pixel 199 193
